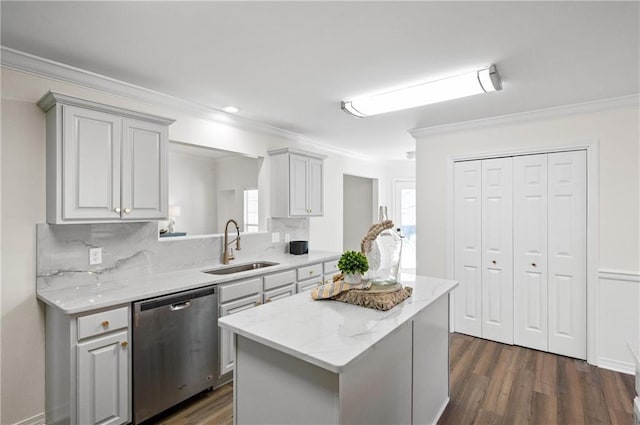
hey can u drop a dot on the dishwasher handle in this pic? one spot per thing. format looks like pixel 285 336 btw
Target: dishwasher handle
pixel 180 306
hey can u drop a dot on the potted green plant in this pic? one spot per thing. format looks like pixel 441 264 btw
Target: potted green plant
pixel 353 265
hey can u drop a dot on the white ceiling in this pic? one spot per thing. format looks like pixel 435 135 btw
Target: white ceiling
pixel 289 64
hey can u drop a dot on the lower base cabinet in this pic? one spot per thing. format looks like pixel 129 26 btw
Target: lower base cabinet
pixel 87 371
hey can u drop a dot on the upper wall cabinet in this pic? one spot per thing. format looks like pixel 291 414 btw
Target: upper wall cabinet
pixel 104 164
pixel 296 183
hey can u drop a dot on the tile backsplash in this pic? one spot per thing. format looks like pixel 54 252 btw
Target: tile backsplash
pixel 133 249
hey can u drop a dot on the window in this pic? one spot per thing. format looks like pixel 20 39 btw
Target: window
pixel 251 220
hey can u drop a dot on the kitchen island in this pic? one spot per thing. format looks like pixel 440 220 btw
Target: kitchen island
pixel 299 361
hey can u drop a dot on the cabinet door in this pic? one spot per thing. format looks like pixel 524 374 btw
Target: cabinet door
pixel 497 250
pixel 467 246
pixel 315 195
pixel 144 171
pixel 530 251
pixel 91 143
pixel 103 380
pixel 298 174
pixel 227 350
pixel 567 254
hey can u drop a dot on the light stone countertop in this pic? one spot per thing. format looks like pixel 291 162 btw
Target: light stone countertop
pixel 331 334
pixel 94 296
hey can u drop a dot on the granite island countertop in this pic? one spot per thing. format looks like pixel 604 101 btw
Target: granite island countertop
pixel 83 298
pixel 331 334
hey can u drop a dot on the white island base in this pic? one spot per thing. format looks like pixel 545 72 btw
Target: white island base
pixel 398 372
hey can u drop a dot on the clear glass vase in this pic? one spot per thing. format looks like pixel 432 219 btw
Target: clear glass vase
pixel 384 257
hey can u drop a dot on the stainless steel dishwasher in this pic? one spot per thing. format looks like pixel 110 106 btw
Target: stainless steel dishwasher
pixel 175 349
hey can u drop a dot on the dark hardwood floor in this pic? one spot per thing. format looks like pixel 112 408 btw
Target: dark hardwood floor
pixel 492 383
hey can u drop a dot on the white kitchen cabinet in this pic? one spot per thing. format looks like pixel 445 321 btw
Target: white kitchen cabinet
pixel 296 183
pixel 87 370
pixel 226 342
pixel 103 380
pixel 104 164
pixel 279 293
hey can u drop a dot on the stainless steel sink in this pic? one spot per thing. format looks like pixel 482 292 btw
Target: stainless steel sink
pixel 241 268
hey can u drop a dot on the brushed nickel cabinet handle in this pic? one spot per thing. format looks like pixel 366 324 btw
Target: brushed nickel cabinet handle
pixel 127 210
pixel 117 209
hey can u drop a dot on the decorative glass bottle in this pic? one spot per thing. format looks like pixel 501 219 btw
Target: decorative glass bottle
pixel 384 256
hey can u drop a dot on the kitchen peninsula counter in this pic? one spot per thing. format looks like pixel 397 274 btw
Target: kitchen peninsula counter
pixel 300 361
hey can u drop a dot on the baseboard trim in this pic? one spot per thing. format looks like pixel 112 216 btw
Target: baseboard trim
pixel 38 419
pixel 617 366
pixel 441 411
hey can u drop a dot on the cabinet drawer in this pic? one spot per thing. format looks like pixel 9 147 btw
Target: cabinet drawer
pixel 308 272
pixel 279 279
pixel 309 284
pixel 240 305
pixel 106 321
pixel 278 293
pixel 330 267
pixel 240 289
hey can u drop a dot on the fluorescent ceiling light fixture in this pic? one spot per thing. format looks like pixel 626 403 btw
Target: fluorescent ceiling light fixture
pixel 481 81
pixel 230 109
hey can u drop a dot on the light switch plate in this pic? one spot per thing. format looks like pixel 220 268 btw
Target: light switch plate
pixel 95 256
pixel 275 237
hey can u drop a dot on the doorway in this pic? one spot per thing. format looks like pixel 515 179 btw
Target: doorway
pixel 404 217
pixel 359 204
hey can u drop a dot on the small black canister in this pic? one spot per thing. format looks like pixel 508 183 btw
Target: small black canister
pixel 299 247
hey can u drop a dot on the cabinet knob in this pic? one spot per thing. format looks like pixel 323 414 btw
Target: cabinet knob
pixel 268 300
pixel 117 209
pixel 533 264
pixel 127 210
pixel 493 262
pixel 105 324
pixel 310 272
pixel 124 344
pixel 258 303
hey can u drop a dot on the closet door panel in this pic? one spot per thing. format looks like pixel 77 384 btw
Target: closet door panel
pixel 530 251
pixel 567 254
pixel 467 247
pixel 497 250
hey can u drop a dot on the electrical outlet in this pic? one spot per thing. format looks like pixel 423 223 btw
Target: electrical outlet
pixel 275 237
pixel 287 237
pixel 95 256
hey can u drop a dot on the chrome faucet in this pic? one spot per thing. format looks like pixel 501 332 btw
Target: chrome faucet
pixel 227 255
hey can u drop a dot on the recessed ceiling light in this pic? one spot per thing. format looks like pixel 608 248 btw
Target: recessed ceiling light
pixel 230 109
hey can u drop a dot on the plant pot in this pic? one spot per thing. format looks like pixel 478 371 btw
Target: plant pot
pixel 352 278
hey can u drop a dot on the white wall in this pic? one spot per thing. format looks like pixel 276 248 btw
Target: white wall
pixel 22 200
pixel 359 210
pixel 616 130
pixel 192 186
pixel 23 205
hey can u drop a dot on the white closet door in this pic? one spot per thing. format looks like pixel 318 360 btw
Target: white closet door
pixel 530 251
pixel 567 254
pixel 467 247
pixel 497 250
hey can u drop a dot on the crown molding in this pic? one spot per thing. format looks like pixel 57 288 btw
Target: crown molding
pixel 586 107
pixel 41 67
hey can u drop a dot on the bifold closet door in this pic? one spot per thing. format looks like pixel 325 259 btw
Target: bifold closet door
pixel 530 251
pixel 497 250
pixel 567 214
pixel 467 247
